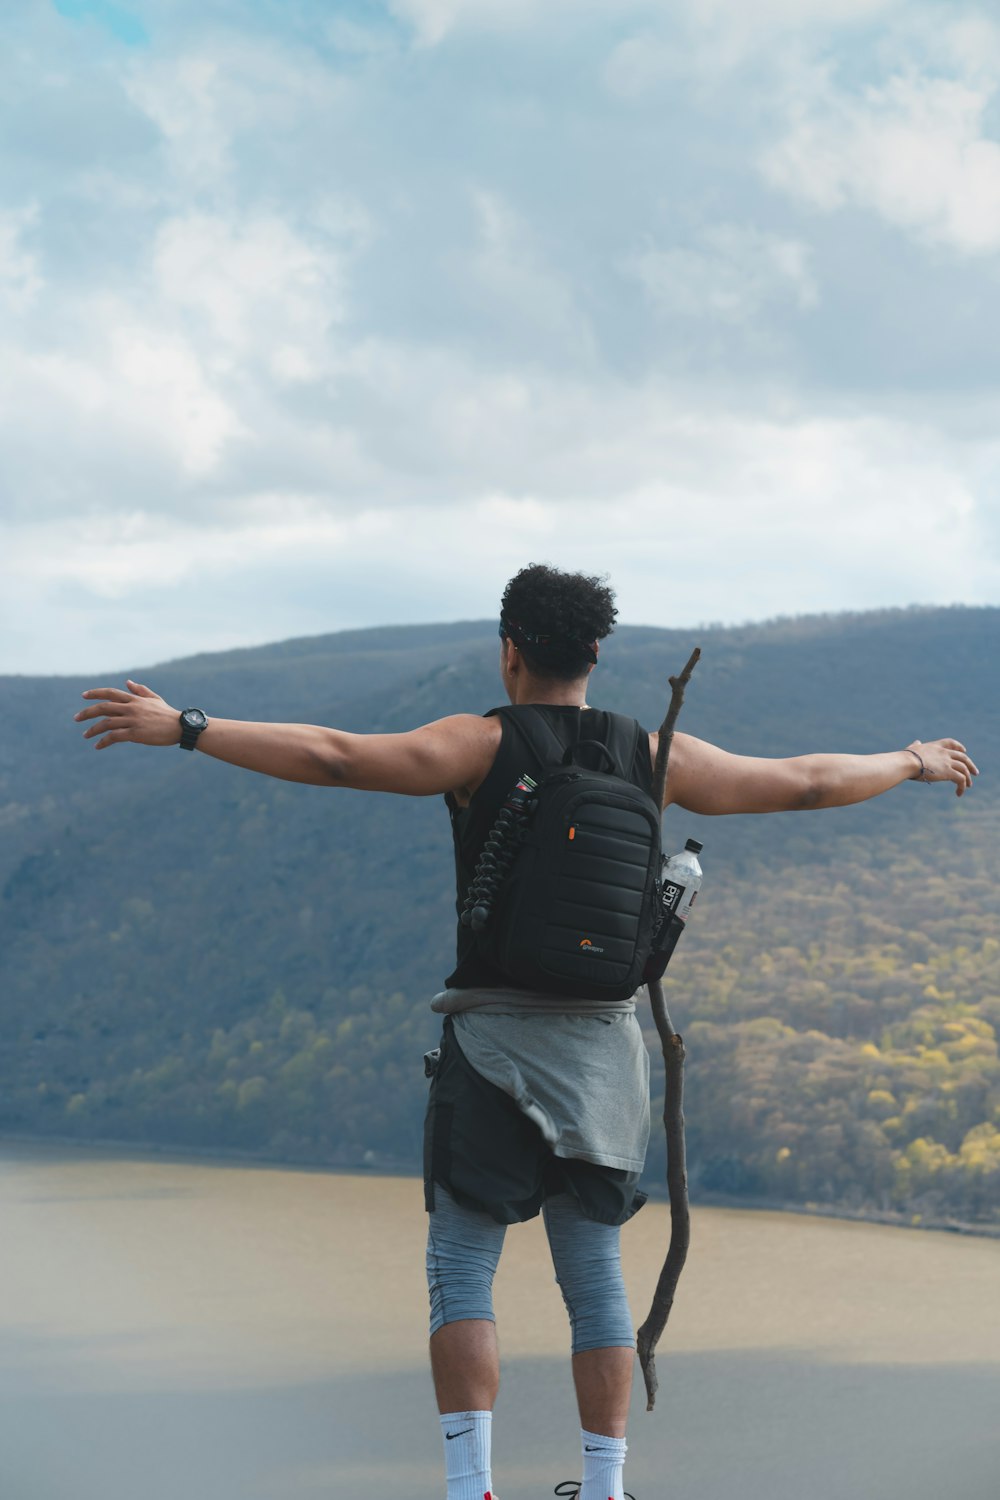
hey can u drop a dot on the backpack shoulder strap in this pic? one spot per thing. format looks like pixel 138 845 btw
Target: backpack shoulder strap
pixel 537 733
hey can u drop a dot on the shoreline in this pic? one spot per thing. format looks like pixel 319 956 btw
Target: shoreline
pixel 233 1156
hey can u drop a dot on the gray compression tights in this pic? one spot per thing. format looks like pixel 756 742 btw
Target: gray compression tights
pixel 463 1249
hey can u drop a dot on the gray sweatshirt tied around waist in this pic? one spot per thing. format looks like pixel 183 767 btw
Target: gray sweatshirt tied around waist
pixel 578 1068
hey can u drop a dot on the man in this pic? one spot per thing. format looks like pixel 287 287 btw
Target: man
pixel 538 1102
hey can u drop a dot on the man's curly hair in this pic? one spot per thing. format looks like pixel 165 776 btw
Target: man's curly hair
pixel 566 613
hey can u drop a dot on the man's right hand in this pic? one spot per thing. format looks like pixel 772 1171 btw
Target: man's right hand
pixel 140 716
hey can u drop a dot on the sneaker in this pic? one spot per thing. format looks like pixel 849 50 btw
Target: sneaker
pixel 571 1488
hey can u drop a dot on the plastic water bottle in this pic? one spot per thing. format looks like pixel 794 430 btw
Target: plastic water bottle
pixel 680 882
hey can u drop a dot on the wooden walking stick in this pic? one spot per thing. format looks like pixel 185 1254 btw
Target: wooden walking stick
pixel 673 1099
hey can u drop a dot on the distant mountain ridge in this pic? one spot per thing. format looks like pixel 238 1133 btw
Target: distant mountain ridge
pixel 155 906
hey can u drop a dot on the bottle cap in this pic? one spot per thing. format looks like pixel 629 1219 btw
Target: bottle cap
pixel 694 846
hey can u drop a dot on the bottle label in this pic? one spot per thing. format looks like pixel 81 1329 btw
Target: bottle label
pixel 672 896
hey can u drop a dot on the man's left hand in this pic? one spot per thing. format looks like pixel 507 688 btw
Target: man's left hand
pixel 944 760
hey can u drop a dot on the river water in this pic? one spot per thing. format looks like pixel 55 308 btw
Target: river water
pixel 178 1330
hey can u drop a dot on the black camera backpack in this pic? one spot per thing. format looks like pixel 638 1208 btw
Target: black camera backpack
pixel 567 883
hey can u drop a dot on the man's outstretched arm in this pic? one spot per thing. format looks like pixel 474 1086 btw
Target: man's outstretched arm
pixel 705 779
pixel 451 755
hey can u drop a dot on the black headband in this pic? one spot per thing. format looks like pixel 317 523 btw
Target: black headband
pixel 512 630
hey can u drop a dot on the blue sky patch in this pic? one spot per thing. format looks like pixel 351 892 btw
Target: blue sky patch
pixel 119 21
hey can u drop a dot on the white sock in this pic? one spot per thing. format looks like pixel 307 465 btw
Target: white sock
pixel 603 1462
pixel 466 1437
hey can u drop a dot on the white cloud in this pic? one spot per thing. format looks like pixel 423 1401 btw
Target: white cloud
pixel 672 42
pixel 785 14
pixel 356 39
pixel 514 273
pixel 137 554
pixel 915 151
pixel 640 62
pixel 965 42
pixel 254 284
pixel 733 24
pixel 172 381
pixel 334 323
pixel 696 514
pixel 437 475
pixel 168 396
pixel 182 99
pixel 20 278
pixel 208 98
pixel 731 275
pixel 432 21
pixel 136 407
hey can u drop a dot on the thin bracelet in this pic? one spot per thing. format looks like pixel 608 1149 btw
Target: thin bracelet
pixel 923 769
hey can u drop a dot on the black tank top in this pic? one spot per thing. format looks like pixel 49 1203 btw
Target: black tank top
pixel 515 757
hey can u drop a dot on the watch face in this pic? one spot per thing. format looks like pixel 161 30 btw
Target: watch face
pixel 194 718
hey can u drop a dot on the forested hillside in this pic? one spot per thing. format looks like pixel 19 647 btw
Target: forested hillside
pixel 192 954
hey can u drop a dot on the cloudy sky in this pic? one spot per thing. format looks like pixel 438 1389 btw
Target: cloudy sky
pixel 326 313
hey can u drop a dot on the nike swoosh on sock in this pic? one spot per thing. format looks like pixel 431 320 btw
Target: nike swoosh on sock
pixel 450 1435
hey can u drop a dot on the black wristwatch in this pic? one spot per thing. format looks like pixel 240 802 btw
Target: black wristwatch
pixel 193 721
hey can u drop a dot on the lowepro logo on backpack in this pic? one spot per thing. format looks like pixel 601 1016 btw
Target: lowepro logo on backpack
pixel 588 946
